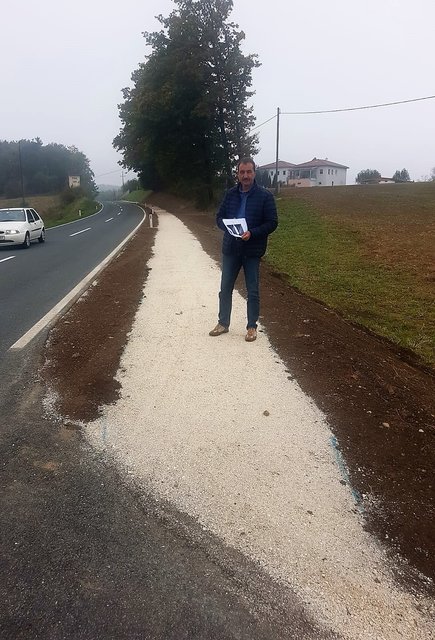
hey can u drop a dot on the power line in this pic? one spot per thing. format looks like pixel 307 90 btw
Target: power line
pixel 260 125
pixel 369 106
pixel 100 175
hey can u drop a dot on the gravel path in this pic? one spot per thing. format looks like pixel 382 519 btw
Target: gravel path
pixel 219 428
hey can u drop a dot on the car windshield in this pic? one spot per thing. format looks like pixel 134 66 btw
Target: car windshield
pixel 12 215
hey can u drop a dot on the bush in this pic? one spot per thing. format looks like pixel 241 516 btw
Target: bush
pixel 68 195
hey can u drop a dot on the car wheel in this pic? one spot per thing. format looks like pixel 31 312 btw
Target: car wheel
pixel 26 243
pixel 42 236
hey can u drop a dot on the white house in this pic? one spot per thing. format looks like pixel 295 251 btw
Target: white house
pixel 315 173
pixel 318 173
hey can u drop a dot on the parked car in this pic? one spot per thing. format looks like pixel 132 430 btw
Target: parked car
pixel 20 226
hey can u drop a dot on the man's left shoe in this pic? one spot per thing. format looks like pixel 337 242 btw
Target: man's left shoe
pixel 251 334
pixel 218 330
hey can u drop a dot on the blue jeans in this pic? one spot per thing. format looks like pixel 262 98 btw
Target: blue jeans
pixel 231 265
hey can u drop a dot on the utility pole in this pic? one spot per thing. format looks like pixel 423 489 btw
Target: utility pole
pixel 277 151
pixel 122 176
pixel 23 202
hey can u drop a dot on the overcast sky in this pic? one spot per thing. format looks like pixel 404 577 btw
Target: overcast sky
pixel 63 65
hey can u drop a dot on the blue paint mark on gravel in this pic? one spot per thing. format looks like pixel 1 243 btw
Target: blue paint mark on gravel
pixel 344 472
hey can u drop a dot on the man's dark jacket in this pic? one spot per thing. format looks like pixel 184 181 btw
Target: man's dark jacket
pixel 261 219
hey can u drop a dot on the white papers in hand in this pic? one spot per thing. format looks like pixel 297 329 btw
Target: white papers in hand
pixel 235 226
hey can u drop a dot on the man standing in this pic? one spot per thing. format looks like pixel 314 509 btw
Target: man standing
pixel 256 206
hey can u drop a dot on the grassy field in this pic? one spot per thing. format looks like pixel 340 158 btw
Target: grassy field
pixel 366 251
pixel 42 204
pixel 52 210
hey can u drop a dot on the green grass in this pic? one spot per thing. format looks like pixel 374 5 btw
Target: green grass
pixel 328 260
pixel 52 210
pixel 81 208
pixel 137 196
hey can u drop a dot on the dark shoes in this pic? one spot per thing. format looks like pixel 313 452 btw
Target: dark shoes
pixel 218 330
pixel 251 334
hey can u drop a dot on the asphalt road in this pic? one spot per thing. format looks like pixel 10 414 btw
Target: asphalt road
pixel 33 281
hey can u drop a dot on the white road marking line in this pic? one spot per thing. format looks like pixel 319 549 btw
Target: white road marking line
pixel 108 219
pixel 77 232
pixel 70 297
pixel 10 258
pixel 119 213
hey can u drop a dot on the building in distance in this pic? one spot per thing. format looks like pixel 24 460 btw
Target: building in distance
pixel 315 173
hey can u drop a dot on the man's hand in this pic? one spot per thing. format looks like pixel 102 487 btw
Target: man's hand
pixel 246 235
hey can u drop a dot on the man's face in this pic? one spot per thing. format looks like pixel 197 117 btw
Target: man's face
pixel 246 175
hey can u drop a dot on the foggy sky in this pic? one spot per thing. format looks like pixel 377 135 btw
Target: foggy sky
pixel 63 66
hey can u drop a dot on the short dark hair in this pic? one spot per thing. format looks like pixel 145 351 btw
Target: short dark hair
pixel 246 160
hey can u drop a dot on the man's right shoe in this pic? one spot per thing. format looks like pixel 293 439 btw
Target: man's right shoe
pixel 218 330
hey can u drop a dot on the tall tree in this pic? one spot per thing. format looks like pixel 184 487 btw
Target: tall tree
pixel 367 175
pixel 186 120
pixel 401 176
pixel 41 168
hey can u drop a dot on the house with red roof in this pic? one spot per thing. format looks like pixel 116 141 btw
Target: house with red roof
pixel 315 173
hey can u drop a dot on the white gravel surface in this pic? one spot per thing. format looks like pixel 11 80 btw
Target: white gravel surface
pixel 216 427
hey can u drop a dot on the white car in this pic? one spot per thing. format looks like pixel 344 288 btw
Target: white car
pixel 20 226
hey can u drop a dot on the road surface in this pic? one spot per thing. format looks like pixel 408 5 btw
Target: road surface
pixel 33 281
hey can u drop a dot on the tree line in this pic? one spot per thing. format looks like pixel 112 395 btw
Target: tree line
pixel 401 175
pixel 373 175
pixel 28 167
pixel 186 120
